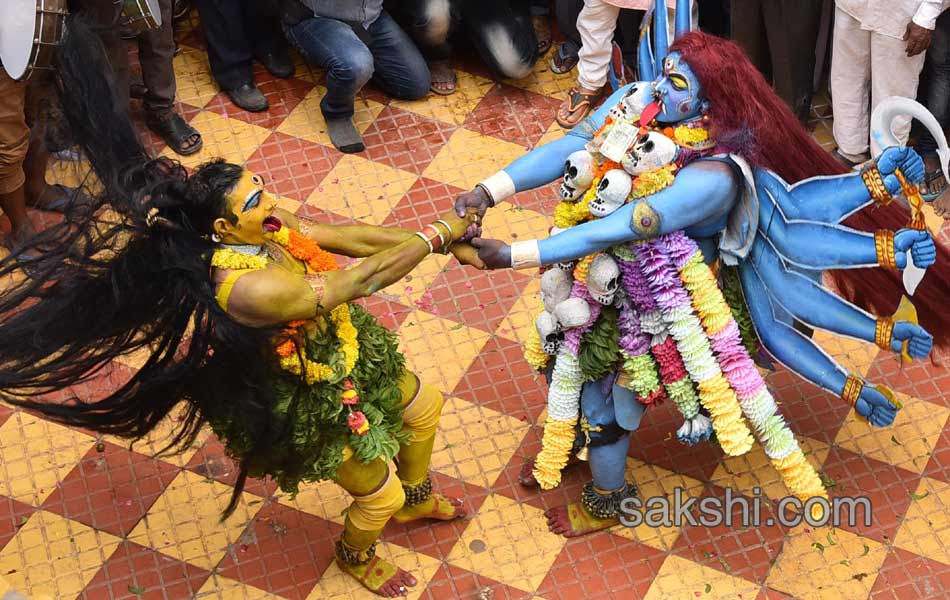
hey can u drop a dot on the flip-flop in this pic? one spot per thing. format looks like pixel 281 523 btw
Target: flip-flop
pixel 935 184
pixel 561 62
pixel 175 131
pixel 577 105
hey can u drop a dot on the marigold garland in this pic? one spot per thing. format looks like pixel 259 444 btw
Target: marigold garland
pixel 653 181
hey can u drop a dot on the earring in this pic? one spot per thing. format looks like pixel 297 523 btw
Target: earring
pixel 215 238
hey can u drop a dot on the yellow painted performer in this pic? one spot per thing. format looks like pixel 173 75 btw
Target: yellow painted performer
pixel 241 315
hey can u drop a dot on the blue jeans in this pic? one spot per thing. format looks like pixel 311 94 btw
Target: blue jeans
pixel 935 84
pixel 388 57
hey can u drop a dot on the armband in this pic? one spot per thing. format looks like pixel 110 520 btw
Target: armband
pixel 645 221
pixel 525 255
pixel 871 176
pixel 852 389
pixel 884 249
pixel 883 331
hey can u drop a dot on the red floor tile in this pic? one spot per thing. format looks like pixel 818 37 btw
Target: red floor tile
pixel 655 442
pixel 13 515
pixel 211 462
pixel 905 575
pixel 480 299
pixel 388 313
pixel 452 582
pixel 135 572
pixel 283 95
pixel 939 465
pixel 741 551
pixel 500 379
pixel 513 114
pixel 602 566
pixel 111 488
pixel 405 140
pixel 810 411
pixel 283 551
pixel 426 201
pixel 925 379
pixel 292 167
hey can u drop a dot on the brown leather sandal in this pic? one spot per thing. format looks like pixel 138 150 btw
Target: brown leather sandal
pixel 577 106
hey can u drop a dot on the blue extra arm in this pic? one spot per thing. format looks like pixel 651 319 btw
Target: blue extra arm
pixel 545 163
pixel 702 192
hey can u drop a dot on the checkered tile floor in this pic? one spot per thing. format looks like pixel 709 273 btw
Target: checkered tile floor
pixel 92 518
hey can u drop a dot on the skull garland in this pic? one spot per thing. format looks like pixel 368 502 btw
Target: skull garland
pixel 612 192
pixel 649 152
pixel 555 288
pixel 603 279
pixel 573 312
pixel 578 175
pixel 633 101
pixel 552 336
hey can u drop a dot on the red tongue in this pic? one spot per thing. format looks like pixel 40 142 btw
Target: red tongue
pixel 272 224
pixel 650 111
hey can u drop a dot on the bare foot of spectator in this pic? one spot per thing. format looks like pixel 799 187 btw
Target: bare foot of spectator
pixel 935 184
pixel 444 81
pixel 344 135
pixel 942 205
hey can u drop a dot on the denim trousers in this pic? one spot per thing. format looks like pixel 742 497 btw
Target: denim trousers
pixel 384 53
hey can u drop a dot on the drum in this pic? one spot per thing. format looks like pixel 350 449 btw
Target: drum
pixel 29 32
pixel 141 15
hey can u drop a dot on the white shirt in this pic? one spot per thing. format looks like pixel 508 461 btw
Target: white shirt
pixel 890 17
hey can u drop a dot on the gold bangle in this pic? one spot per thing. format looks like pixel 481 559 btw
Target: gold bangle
pixel 852 389
pixel 871 176
pixel 884 248
pixel 423 237
pixel 438 234
pixel 883 330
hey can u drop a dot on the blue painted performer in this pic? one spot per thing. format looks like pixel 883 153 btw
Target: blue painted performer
pixel 698 162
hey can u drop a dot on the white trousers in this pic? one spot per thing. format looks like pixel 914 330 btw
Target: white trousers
pixel 867 67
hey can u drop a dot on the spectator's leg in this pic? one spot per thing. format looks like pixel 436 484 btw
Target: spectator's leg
pixel 565 55
pixel 267 42
pixel 627 35
pixel 596 24
pixel 850 86
pixel 748 30
pixel 401 71
pixel 935 84
pixel 229 51
pixel 14 140
pixel 332 45
pixel 429 23
pixel 792 32
pixel 504 39
pixel 893 73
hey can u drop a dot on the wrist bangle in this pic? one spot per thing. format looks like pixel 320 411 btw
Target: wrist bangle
pixel 871 176
pixel 446 238
pixel 852 389
pixel 438 234
pixel 423 237
pixel 884 248
pixel 883 331
pixel 484 188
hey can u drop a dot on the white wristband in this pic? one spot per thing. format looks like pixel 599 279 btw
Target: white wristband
pixel 525 255
pixel 499 186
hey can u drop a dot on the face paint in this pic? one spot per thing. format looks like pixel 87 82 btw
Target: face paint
pixel 252 206
pixel 678 91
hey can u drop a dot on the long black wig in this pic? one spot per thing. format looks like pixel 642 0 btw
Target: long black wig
pixel 128 271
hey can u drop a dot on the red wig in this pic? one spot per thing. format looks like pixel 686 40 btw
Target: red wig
pixel 748 118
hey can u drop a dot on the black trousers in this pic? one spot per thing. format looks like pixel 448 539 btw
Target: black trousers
pixel 780 37
pixel 235 32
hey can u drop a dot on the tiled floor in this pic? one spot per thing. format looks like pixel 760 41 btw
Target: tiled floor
pixel 95 519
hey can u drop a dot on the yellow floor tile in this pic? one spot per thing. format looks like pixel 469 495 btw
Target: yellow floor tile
pixel 439 351
pixel 554 132
pixel 53 555
pixel 508 542
pixel 71 173
pixel 854 355
pixel 222 588
pixel 185 522
pixel 681 579
pixel 307 122
pixel 362 189
pixel 926 527
pixel 453 109
pixel 35 455
pixel 907 443
pixel 544 81
pixel 159 437
pixel 827 564
pixel 326 500
pixel 337 585
pixel 653 481
pixel 512 223
pixel 474 443
pixel 469 157
pixel 754 469
pixel 194 83
pixel 519 321
pixel 411 288
pixel 231 139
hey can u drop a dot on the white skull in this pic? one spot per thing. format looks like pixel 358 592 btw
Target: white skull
pixel 649 152
pixel 565 266
pixel 555 288
pixel 603 278
pixel 550 332
pixel 633 102
pixel 612 192
pixel 578 175
pixel 573 312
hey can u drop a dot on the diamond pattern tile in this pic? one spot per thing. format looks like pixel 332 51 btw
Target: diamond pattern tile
pixel 95 518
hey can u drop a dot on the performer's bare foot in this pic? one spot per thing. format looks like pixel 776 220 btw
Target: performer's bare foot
pixel 381 577
pixel 436 507
pixel 573 520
